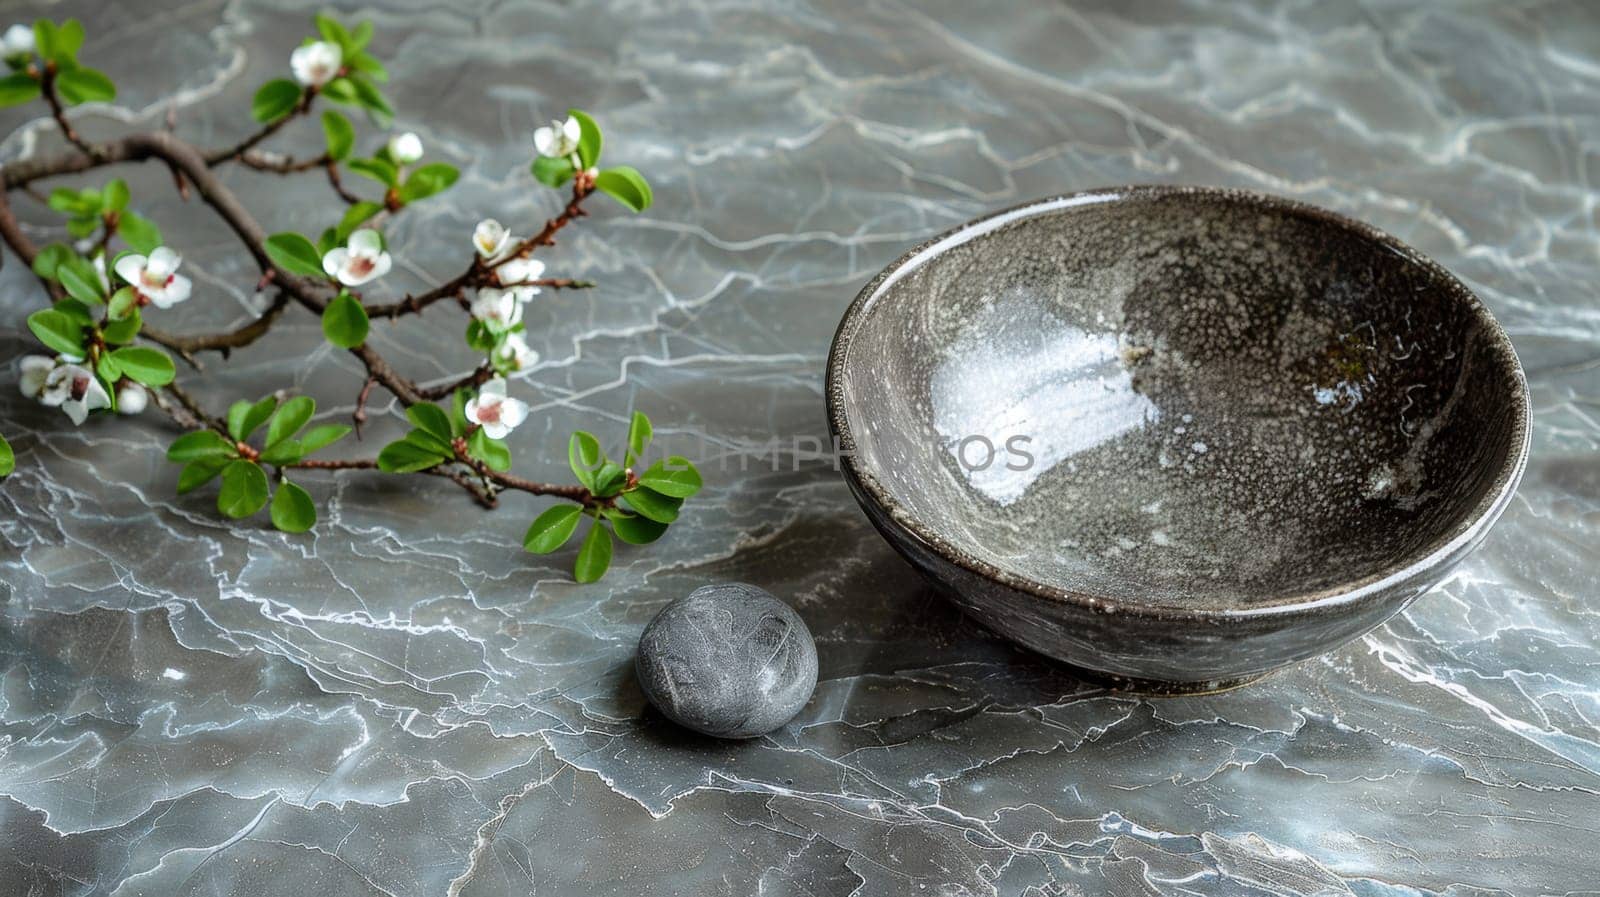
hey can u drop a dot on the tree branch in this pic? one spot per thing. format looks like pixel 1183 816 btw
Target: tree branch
pixel 222 342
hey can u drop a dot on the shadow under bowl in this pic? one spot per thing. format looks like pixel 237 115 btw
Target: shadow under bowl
pixel 1177 437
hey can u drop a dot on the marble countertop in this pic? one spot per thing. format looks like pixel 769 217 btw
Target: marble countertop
pixel 403 702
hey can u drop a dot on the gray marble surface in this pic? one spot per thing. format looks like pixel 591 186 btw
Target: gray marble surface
pixel 402 702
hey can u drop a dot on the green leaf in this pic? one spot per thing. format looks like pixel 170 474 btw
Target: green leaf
pixel 433 444
pixel 199 472
pixel 371 99
pixel 114 197
pixel 552 172
pixel 244 489
pixel 481 337
pixel 431 418
pixel 50 258
pixel 340 90
pixel 83 289
pixel 244 417
pixel 639 436
pixel 333 32
pixel 68 201
pixel 139 232
pixel 123 303
pixel 45 40
pixel 652 504
pixel 584 455
pixel 552 529
pixel 361 36
pixel 76 311
pixel 322 436
pixel 674 477
pixel 428 180
pixel 57 330
pixel 344 321
pixel 635 530
pixel 83 227
pixel 380 170
pixel 368 65
pixel 626 186
pixel 121 331
pixel 81 85
pixel 69 40
pixel 292 509
pixel 492 452
pixel 108 370
pixel 589 139
pixel 149 366
pixel 8 458
pixel 295 254
pixel 609 479
pixel 286 452
pixel 595 555
pixel 18 89
pixel 341 135
pixel 274 100
pixel 405 456
pixel 458 412
pixel 200 444
pixel 353 218
pixel 289 418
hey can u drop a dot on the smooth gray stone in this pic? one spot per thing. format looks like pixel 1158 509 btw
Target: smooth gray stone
pixel 728 660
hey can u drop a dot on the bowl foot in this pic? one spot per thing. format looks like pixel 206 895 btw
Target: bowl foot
pixel 1161 688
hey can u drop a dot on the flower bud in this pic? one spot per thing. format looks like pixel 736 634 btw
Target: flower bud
pixel 132 398
pixel 405 148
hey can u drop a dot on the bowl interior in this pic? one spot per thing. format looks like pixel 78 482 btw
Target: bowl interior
pixel 1190 398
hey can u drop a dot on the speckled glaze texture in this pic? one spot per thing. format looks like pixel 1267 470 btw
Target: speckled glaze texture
pixel 1178 436
pixel 728 660
pixel 404 703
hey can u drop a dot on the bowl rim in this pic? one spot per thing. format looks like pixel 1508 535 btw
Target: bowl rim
pixel 1460 536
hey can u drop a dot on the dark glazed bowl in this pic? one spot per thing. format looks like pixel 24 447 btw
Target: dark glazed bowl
pixel 1175 436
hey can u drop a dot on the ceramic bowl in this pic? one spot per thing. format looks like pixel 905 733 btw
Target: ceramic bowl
pixel 1177 437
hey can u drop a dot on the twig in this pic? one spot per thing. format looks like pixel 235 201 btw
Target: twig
pixel 281 164
pixel 223 342
pixel 478 377
pixel 338 186
pixel 414 304
pixel 12 233
pixel 217 157
pixel 194 407
pixel 360 415
pixel 47 86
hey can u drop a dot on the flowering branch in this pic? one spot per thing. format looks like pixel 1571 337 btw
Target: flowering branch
pixel 107 360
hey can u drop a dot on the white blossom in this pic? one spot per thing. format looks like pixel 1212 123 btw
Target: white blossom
pixel 18 39
pixel 74 389
pixel 315 64
pixel 513 272
pixel 514 353
pixel 405 148
pixel 100 272
pixel 358 261
pixel 35 368
pixel 155 277
pixel 497 308
pixel 559 140
pixel 492 240
pixel 496 412
pixel 131 398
